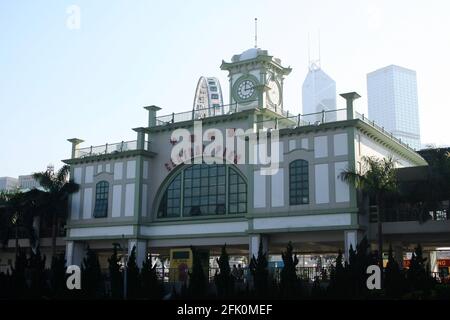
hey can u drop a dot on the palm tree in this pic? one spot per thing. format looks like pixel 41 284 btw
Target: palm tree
pixel 58 188
pixel 36 207
pixel 377 179
pixel 14 214
pixel 437 187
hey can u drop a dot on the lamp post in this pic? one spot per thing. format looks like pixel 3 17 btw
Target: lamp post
pixel 124 269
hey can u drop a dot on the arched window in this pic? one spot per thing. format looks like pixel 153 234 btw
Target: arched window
pixel 101 199
pixel 203 189
pixel 298 182
pixel 171 201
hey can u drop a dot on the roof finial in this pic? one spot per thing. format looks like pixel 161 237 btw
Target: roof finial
pixel 320 58
pixel 256 32
pixel 309 52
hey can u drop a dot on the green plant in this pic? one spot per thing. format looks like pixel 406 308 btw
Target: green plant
pixel 224 280
pixel 260 273
pixel 289 282
pixel 115 275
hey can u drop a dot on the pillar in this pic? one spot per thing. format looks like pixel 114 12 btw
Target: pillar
pixel 433 261
pixel 253 245
pixel 140 138
pixel 75 142
pixel 141 250
pixel 350 97
pixel 152 115
pixel 350 240
pixel 75 252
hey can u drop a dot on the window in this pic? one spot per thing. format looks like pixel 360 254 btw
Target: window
pixel 203 189
pixel 170 203
pixel 298 182
pixel 101 199
pixel 214 96
pixel 237 193
pixel 213 89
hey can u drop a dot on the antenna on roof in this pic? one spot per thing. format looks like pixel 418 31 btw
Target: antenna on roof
pixel 319 62
pixel 309 52
pixel 256 32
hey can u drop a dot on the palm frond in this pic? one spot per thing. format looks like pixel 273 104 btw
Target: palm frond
pixel 69 188
pixel 45 179
pixel 353 178
pixel 62 174
pixel 376 177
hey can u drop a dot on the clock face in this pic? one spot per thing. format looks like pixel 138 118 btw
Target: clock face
pixel 246 89
pixel 274 92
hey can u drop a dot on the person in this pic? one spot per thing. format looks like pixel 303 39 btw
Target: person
pixel 235 272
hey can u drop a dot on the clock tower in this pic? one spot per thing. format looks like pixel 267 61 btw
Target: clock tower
pixel 256 80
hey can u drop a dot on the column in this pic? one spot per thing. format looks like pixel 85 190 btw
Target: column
pixel 75 253
pixel 75 142
pixel 432 260
pixel 152 115
pixel 140 138
pixel 253 245
pixel 350 97
pixel 350 240
pixel 141 250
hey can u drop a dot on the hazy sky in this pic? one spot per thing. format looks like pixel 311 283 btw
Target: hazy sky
pixel 91 83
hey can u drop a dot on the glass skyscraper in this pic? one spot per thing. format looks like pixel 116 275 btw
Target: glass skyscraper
pixel 392 100
pixel 318 94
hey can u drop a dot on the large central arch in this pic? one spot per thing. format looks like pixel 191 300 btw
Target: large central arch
pixel 203 190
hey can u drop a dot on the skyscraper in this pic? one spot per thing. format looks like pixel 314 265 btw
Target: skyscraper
pixel 8 183
pixel 392 97
pixel 318 94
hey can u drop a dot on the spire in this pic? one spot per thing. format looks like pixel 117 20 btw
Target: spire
pixel 314 63
pixel 320 60
pixel 256 32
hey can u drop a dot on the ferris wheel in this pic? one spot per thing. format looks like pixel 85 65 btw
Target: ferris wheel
pixel 208 98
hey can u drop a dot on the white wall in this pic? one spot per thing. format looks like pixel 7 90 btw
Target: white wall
pixel 75 205
pixel 129 200
pixel 87 206
pixel 342 189
pixel 195 228
pixel 370 148
pixel 277 188
pixel 321 147
pixel 259 191
pixel 131 169
pixel 77 172
pixel 118 171
pixel 89 176
pixel 340 144
pixel 116 201
pixel 322 183
pixel 323 220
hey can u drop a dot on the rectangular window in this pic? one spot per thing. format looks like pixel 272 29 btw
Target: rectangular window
pixel 101 200
pixel 298 182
